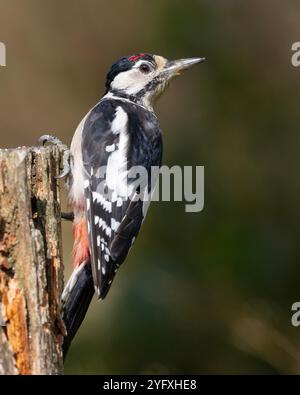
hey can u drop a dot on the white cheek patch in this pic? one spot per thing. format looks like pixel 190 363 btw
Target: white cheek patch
pixel 131 81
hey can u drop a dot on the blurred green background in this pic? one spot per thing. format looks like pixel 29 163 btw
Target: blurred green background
pixel 207 292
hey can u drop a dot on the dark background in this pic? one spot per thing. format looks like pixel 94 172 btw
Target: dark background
pixel 207 292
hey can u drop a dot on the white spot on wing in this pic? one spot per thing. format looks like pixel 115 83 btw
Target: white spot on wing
pixel 106 204
pixel 119 202
pixel 114 196
pixel 106 257
pixel 110 148
pixel 105 227
pixel 114 224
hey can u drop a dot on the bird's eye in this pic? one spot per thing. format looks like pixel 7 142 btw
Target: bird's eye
pixel 145 68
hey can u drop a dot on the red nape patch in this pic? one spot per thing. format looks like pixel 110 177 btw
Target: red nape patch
pixel 134 58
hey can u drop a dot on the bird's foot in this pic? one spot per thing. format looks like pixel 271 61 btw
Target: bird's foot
pixel 47 138
pixel 67 216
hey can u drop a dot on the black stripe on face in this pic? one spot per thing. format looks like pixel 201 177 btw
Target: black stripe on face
pixel 150 87
pixel 136 98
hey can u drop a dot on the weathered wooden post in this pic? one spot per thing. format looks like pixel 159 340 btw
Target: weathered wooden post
pixel 31 268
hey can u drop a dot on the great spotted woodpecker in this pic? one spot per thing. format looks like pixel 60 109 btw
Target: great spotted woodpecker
pixel 119 133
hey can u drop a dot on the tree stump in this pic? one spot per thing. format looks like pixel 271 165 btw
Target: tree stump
pixel 31 268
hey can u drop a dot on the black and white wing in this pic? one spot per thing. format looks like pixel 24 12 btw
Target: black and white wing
pixel 113 140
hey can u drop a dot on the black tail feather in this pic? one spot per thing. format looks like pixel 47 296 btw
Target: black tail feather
pixel 77 298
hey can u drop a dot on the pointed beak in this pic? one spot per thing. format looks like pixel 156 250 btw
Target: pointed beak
pixel 175 67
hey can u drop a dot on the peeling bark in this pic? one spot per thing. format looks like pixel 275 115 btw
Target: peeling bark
pixel 31 269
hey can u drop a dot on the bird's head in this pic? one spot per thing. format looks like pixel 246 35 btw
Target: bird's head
pixel 142 78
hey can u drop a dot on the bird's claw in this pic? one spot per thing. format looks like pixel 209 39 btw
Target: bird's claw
pixel 47 138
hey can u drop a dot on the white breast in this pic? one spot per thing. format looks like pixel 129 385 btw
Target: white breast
pixel 76 193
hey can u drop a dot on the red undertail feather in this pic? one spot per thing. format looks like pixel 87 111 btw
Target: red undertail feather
pixel 81 250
